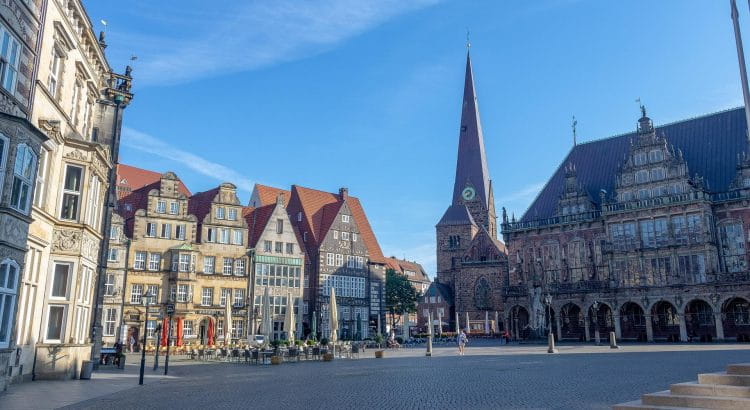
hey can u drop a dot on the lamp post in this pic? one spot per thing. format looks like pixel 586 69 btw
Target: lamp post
pixel 145 299
pixel 595 308
pixel 170 312
pixel 158 339
pixel 550 337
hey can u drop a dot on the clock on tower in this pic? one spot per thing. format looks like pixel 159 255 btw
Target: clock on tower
pixel 468 193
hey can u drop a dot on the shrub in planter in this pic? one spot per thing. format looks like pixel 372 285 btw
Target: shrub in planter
pixel 379 354
pixel 275 359
pixel 328 357
pixel 311 342
pixel 324 341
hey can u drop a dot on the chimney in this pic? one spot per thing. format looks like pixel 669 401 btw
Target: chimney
pixel 344 193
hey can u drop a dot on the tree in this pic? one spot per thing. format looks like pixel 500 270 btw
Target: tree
pixel 400 295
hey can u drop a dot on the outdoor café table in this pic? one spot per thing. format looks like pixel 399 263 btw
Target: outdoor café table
pixel 266 354
pixel 210 353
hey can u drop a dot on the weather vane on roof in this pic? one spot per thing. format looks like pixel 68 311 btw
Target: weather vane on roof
pixel 642 107
pixel 468 42
pixel 575 123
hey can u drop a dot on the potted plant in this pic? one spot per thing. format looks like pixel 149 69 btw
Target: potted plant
pixel 379 341
pixel 328 356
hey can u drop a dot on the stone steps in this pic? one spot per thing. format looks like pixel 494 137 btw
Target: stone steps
pixel 723 390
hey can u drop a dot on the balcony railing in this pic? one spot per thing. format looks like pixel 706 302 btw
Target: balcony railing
pixel 658 201
pixel 555 220
pixel 693 238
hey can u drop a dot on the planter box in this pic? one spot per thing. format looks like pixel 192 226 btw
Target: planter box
pixel 328 357
pixel 275 359
pixel 379 354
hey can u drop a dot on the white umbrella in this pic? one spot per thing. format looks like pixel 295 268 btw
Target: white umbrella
pixel 486 322
pixel 266 324
pixel 440 322
pixel 458 324
pixel 298 323
pixel 333 317
pixel 289 323
pixel 496 326
pixel 468 329
pixel 227 321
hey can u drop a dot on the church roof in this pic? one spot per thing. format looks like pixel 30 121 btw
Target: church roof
pixel 456 214
pixel 710 145
pixel 471 166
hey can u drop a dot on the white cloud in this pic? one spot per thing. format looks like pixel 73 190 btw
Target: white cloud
pixel 524 194
pixel 146 143
pixel 254 34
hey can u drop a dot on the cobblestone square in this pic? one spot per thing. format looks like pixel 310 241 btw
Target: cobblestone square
pixel 487 377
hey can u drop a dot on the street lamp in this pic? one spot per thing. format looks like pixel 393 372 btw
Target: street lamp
pixel 548 302
pixel 146 299
pixel 157 332
pixel 595 307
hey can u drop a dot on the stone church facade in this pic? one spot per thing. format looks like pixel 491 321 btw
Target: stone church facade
pixel 470 259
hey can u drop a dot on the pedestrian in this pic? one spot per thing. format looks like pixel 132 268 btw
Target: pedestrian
pixel 131 341
pixel 461 339
pixel 506 336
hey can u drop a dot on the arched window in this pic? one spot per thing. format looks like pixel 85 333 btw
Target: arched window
pixel 733 246
pixel 23 178
pixel 483 294
pixel 8 291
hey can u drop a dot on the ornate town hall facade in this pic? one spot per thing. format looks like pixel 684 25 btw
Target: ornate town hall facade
pixel 470 259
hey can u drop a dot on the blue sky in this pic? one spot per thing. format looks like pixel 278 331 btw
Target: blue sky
pixel 367 94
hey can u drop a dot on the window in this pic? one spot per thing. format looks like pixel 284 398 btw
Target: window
pixel 161 207
pixel 655 155
pixel 661 231
pixel 232 214
pixel 267 246
pixel 290 248
pixel 150 328
pixel 154 261
pixel 237 237
pixel 354 237
pixel 9 62
pixel 74 102
pixel 279 247
pixel 648 236
pixel 183 293
pixel 733 247
pixel 53 81
pixel 335 234
pixel 110 320
pixel 8 291
pixel 140 261
pixel 644 194
pixel 224 235
pixel 112 255
pixel 93 203
pixel 180 232
pixel 23 173
pixel 60 280
pixel 641 176
pixel 239 297
pixel 350 261
pixel 339 259
pixel 330 259
pixel 692 268
pixel 640 158
pixel 208 264
pixel 345 236
pixel 238 329
pixel 210 234
pixel 153 290
pixel 174 208
pixel 679 228
pixel 41 176
pixel 207 297
pixel 55 322
pixel 345 218
pixel 227 266
pixel 86 115
pixel 71 192
pixel 360 262
pixel 657 174
pixel 166 231
pixel 304 236
pixel 136 292
pixel 299 216
pixel 114 232
pixel 109 285
pixel 151 229
pixel 219 212
pixel 225 294
pixel 279 226
pixel 239 266
pixel 187 328
pixel 184 262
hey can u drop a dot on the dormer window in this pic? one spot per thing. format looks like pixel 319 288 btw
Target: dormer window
pixel 640 158
pixel 299 216
pixel 345 218
pixel 174 208
pixel 657 174
pixel 641 176
pixel 232 214
pixel 161 207
pixel 219 212
pixel 656 156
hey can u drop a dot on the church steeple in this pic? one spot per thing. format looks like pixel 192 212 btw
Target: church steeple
pixel 471 167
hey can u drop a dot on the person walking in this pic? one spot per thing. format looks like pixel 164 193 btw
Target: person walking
pixel 506 336
pixel 132 343
pixel 461 339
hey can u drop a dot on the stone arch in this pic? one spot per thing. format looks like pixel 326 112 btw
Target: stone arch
pixel 518 322
pixel 699 320
pixel 665 321
pixel 571 322
pixel 633 322
pixel 735 312
pixel 602 320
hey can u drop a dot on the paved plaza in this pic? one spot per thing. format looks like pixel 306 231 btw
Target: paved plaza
pixel 516 376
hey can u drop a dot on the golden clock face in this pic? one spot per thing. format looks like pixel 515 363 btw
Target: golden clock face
pixel 468 193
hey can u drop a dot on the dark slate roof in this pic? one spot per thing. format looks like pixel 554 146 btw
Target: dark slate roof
pixel 456 214
pixel 471 166
pixel 710 145
pixel 437 288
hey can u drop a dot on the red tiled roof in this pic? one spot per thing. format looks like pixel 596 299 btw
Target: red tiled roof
pixel 130 178
pixel 200 205
pixel 268 194
pixel 401 265
pixel 257 219
pixel 320 208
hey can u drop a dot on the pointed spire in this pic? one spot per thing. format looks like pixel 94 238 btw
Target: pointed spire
pixel 741 58
pixel 471 166
pixel 575 123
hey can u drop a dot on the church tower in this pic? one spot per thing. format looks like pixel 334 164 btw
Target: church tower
pixel 472 206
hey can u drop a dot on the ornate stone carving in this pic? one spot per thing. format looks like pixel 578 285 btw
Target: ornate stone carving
pixel 13 230
pixel 66 240
pixel 89 247
pixel 76 154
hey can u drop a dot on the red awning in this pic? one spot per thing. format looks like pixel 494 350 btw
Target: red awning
pixel 164 331
pixel 179 332
pixel 210 335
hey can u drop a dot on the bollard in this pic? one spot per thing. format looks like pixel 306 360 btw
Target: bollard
pixel 551 342
pixel 429 347
pixel 613 341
